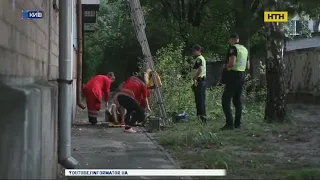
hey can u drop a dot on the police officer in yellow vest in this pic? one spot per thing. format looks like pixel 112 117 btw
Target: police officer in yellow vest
pixel 234 82
pixel 199 82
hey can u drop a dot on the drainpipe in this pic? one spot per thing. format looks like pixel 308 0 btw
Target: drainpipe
pixel 65 85
pixel 49 43
pixel 79 55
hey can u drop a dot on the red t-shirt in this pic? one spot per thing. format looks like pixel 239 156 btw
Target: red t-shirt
pixel 148 93
pixel 135 88
pixel 142 103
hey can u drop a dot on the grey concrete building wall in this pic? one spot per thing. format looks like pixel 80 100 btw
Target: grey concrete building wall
pixel 28 90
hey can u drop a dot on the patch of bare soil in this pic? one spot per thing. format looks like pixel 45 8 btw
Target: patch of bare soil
pixel 303 143
pixel 297 146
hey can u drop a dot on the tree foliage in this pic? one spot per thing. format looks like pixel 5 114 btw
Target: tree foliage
pixel 178 24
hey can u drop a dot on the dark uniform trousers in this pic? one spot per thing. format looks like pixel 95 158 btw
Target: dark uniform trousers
pixel 234 81
pixel 200 97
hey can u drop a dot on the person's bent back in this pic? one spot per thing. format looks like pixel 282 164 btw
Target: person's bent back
pixel 94 90
pixel 132 89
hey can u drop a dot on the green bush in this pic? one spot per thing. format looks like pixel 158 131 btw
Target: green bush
pixel 176 89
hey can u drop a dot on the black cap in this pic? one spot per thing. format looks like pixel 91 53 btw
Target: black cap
pixel 234 35
pixel 196 47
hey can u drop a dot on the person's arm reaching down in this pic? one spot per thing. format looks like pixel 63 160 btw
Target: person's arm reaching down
pixel 148 106
pixel 107 89
pixel 197 66
pixel 232 57
pixel 148 93
pixel 145 98
pixel 199 71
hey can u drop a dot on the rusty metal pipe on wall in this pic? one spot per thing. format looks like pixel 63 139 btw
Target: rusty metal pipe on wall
pixel 79 55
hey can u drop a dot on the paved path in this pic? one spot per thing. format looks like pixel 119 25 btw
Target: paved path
pixel 96 147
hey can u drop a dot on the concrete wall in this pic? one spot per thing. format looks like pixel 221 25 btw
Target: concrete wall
pixel 302 74
pixel 28 91
pixel 303 43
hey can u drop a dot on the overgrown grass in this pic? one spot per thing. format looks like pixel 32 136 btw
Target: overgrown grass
pixel 252 152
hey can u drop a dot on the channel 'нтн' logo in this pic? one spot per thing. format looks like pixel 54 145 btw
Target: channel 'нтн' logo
pixel 275 16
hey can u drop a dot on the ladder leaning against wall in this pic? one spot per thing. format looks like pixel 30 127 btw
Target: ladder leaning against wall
pixel 139 26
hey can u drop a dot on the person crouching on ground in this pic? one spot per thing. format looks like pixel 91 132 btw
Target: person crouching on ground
pixel 117 110
pixel 132 89
pixel 116 114
pixel 142 103
pixel 94 90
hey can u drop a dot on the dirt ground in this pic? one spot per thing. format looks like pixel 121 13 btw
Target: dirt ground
pixel 258 150
pixel 302 144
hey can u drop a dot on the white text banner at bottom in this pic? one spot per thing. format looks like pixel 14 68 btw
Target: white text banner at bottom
pixel 145 172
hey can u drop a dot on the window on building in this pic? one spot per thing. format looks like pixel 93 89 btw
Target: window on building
pixel 299 27
pixel 316 27
pixel 292 27
pixel 89 13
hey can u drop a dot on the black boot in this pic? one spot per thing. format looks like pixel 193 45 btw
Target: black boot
pixel 93 120
pixel 237 125
pixel 226 127
pixel 203 119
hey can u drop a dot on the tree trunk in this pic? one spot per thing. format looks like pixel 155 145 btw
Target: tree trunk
pixel 275 110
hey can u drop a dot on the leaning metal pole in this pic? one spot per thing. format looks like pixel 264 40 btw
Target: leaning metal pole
pixel 139 26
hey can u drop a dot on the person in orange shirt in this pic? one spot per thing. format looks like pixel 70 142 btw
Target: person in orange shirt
pixel 94 90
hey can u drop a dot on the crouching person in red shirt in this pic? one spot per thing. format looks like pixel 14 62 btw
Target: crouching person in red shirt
pixel 94 90
pixel 132 90
pixel 144 105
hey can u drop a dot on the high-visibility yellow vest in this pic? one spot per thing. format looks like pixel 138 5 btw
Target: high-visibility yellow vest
pixel 241 60
pixel 151 82
pixel 203 67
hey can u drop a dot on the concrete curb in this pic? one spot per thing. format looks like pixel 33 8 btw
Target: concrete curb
pixel 167 154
